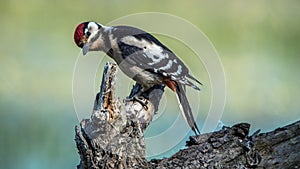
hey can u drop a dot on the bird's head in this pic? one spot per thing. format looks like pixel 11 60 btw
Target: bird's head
pixel 86 34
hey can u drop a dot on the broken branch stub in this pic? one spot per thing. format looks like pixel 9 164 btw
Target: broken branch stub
pixel 114 133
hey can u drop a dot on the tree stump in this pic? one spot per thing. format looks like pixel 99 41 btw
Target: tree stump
pixel 114 137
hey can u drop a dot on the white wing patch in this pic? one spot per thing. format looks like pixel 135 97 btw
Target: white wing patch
pixel 168 66
pixel 151 50
pixel 165 74
pixel 178 72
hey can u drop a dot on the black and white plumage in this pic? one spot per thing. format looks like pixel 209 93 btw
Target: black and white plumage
pixel 141 57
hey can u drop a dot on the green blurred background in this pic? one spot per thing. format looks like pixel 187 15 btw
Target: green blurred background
pixel 258 42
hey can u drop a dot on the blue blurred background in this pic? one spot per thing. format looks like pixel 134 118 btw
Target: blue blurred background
pixel 258 43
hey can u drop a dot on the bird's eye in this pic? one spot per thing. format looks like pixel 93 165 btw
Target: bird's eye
pixel 88 34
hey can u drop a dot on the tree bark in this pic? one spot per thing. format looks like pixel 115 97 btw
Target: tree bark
pixel 114 137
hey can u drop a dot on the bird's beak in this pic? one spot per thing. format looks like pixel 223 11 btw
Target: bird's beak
pixel 85 48
pixel 86 45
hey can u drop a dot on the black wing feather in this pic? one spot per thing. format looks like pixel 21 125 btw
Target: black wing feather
pixel 138 57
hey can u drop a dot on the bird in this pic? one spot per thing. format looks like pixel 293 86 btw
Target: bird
pixel 142 57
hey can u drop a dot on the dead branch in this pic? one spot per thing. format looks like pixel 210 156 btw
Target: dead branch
pixel 114 137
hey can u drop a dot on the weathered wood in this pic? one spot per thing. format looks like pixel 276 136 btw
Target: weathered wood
pixel 113 137
pixel 232 148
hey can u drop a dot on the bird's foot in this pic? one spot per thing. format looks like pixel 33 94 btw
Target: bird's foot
pixel 139 100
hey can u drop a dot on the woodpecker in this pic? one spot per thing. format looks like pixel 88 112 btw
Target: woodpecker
pixel 142 57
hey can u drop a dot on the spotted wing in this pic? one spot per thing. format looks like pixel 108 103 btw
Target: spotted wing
pixel 146 52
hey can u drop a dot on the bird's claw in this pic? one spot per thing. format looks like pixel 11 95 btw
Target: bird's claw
pixel 139 100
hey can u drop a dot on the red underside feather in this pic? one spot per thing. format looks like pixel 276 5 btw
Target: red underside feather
pixel 171 84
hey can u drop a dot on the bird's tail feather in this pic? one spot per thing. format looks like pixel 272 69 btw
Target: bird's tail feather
pixel 185 108
pixel 193 78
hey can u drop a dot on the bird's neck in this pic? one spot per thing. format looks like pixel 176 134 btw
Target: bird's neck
pixel 100 42
pixel 110 43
